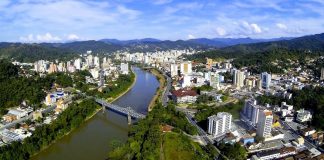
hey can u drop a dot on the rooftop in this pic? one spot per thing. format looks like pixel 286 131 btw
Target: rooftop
pixel 183 93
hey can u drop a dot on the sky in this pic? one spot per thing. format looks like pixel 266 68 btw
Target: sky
pixel 70 20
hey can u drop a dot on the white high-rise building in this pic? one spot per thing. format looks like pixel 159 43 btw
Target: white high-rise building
pixel 96 61
pixel 77 64
pixel 124 68
pixel 265 80
pixel 147 59
pixel 90 60
pixel 219 124
pixel 95 73
pixel 186 81
pixel 265 123
pixel 186 68
pixel 214 80
pixel 238 79
pixel 174 70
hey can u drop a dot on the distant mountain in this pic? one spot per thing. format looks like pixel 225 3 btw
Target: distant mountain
pixel 33 52
pixel 96 46
pixel 126 42
pixel 310 42
pixel 142 45
pixel 224 42
pixel 220 46
pixel 305 44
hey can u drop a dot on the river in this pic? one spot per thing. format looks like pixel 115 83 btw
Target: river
pixel 92 140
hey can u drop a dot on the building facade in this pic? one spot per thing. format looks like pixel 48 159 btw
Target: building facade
pixel 264 123
pixel 265 80
pixel 219 124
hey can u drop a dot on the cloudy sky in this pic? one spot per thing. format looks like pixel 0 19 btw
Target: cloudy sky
pixel 64 20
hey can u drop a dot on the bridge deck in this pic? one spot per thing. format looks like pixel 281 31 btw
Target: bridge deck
pixel 123 110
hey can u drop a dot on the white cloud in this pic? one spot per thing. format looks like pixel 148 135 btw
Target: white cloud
pixel 161 2
pixel 48 37
pixel 182 7
pixel 281 26
pixel 220 31
pixel 132 14
pixel 190 36
pixel 252 28
pixel 73 37
pixel 255 28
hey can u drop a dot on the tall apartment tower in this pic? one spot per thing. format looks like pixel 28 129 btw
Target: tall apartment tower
pixel 251 111
pixel 96 61
pixel 219 124
pixel 186 68
pixel 265 80
pixel 174 70
pixel 265 123
pixel 238 79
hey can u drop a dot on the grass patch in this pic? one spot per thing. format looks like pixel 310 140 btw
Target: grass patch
pixel 178 147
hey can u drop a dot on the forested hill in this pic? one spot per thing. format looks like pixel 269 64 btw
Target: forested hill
pixel 32 52
pixel 306 43
pixel 310 44
pixel 64 51
pixel 109 46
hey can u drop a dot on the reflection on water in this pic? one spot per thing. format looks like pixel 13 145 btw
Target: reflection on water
pixel 91 140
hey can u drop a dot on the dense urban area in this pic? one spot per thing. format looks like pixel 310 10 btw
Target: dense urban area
pixel 205 108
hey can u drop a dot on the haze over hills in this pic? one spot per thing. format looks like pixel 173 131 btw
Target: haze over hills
pixel 309 42
pixel 104 46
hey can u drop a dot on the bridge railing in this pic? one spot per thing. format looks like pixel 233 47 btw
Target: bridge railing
pixel 124 110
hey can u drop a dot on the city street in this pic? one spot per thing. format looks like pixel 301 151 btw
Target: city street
pixel 12 124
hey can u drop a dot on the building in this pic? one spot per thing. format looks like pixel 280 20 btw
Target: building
pixel 322 74
pixel 89 60
pixel 303 115
pixel 124 68
pixel 77 64
pixel 251 111
pixel 186 68
pixel 209 63
pixel 94 73
pixel 184 96
pixel 264 123
pixel 50 99
pixel 15 114
pixel 174 70
pixel 214 80
pixel 96 61
pixel 276 153
pixel 219 124
pixel 52 68
pixel 265 80
pixel 186 81
pixel 238 79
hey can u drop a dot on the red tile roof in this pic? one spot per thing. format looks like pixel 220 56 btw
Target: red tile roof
pixel 183 93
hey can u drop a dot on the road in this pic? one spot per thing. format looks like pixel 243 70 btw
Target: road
pixel 296 135
pixel 166 92
pixel 201 132
pixel 12 124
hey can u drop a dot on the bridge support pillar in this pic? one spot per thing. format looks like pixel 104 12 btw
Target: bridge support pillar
pixel 129 118
pixel 103 109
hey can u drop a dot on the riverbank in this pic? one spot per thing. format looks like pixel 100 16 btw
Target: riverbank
pixel 129 88
pixel 159 91
pixel 66 134
pixel 91 115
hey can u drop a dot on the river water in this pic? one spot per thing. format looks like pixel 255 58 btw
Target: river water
pixel 92 140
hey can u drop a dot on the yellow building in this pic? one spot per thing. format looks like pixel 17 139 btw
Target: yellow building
pixel 209 63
